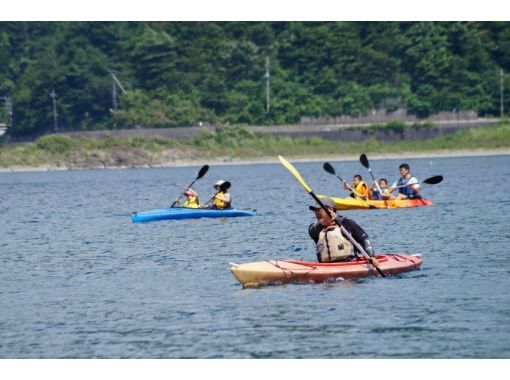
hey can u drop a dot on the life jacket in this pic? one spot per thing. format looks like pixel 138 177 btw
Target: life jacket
pixel 221 200
pixel 192 202
pixel 361 189
pixel 332 245
pixel 407 191
pixel 376 195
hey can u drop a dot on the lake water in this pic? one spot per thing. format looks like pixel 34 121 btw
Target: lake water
pixel 78 279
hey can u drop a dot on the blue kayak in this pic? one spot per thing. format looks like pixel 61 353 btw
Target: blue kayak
pixel 187 213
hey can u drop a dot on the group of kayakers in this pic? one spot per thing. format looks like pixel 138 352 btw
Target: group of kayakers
pixel 330 230
pixel 331 244
pixel 408 187
pixel 220 199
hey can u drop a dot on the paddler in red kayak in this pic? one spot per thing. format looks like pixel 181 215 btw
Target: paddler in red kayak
pixel 332 246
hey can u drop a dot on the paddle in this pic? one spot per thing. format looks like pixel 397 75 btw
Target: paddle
pixel 364 161
pixel 429 181
pixel 327 167
pixel 200 174
pixel 300 179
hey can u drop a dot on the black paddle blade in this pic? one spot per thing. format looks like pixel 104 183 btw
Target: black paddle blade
pixel 364 160
pixel 225 186
pixel 202 171
pixel 330 169
pixel 433 180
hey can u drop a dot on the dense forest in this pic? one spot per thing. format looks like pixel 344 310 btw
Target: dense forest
pixel 163 74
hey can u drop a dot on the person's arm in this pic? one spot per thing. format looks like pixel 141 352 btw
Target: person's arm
pixel 414 185
pixel 314 230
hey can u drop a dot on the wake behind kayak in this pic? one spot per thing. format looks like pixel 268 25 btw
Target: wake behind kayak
pixel 177 213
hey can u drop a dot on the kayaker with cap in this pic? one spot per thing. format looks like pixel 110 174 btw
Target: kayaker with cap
pixel 191 199
pixel 221 199
pixel 407 185
pixel 359 188
pixel 332 245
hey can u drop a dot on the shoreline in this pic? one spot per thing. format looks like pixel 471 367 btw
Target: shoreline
pixel 273 160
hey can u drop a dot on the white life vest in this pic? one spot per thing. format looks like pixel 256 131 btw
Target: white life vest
pixel 332 245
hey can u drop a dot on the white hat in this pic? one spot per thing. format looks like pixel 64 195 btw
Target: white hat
pixel 219 182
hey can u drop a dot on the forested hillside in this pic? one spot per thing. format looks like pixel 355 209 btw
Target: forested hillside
pixel 183 73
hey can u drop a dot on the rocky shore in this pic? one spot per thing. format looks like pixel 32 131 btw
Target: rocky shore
pixel 182 160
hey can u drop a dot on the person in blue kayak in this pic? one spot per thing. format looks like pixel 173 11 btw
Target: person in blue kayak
pixel 332 246
pixel 385 192
pixel 407 185
pixel 191 199
pixel 221 199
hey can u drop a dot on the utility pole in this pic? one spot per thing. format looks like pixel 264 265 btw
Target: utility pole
pixel 115 83
pixel 115 106
pixel 55 121
pixel 501 99
pixel 8 105
pixel 8 108
pixel 267 76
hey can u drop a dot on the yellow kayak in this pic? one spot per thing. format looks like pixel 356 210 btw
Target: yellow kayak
pixel 359 204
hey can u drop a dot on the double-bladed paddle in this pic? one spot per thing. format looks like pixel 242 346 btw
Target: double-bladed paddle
pixel 428 181
pixel 364 161
pixel 308 189
pixel 200 174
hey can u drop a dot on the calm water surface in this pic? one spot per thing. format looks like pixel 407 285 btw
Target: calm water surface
pixel 79 280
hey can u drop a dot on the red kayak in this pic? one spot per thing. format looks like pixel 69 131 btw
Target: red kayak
pixel 294 271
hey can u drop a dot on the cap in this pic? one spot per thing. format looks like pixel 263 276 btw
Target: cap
pixel 327 201
pixel 190 192
pixel 219 182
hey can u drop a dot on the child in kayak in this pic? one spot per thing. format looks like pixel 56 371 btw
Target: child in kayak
pixel 191 199
pixel 386 194
pixel 359 188
pixel 332 245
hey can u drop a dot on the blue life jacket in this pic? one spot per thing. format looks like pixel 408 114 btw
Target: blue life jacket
pixel 377 196
pixel 407 191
